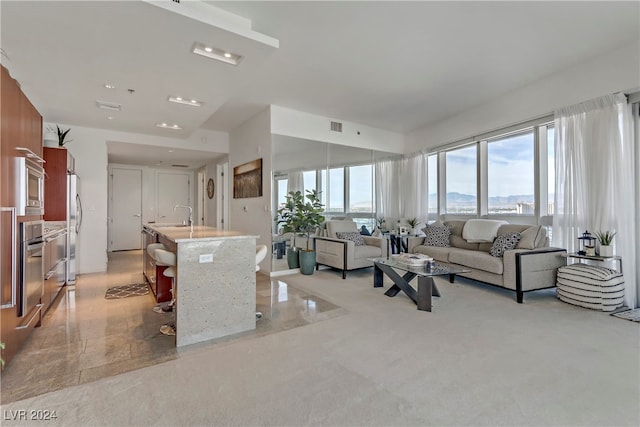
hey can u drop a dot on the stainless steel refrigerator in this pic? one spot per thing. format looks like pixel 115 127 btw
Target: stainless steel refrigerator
pixel 74 221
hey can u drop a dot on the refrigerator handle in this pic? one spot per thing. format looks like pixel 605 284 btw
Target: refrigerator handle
pixel 14 243
pixel 79 213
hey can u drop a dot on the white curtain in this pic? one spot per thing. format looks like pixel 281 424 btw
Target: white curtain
pixel 388 186
pixel 295 182
pixel 401 186
pixel 595 179
pixel 415 190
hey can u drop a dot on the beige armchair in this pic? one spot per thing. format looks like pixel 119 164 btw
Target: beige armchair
pixel 345 249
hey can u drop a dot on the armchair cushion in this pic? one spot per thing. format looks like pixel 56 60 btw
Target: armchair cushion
pixel 354 236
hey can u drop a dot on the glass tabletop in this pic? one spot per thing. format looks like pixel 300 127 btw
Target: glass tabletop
pixel 438 269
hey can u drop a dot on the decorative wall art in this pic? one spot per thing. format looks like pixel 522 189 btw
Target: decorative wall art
pixel 247 180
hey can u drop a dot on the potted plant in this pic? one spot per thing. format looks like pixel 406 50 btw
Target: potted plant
pixel 61 134
pixel 288 219
pixel 381 223
pixel 605 238
pixel 413 223
pixel 302 217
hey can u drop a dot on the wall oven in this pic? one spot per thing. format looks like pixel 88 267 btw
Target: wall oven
pixel 30 183
pixel 32 269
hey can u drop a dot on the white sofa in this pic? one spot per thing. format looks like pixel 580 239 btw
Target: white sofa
pixel 531 265
pixel 344 253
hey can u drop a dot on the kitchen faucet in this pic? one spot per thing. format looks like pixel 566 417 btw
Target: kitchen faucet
pixel 190 213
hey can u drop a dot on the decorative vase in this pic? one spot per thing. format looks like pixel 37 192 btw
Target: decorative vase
pixel 606 250
pixel 292 257
pixel 307 261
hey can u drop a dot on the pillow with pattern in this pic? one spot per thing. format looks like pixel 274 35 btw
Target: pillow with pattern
pixel 437 235
pixel 354 236
pixel 503 243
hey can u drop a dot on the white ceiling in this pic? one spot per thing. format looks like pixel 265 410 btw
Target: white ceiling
pixel 390 65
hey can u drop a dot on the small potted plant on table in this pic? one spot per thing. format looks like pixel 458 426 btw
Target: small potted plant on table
pixel 413 223
pixel 605 238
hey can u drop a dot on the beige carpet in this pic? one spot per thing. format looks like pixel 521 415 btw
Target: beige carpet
pixel 478 359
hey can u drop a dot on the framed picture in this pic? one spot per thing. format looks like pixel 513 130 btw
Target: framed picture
pixel 211 188
pixel 247 180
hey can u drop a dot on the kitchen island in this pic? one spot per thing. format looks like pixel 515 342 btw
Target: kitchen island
pixel 215 280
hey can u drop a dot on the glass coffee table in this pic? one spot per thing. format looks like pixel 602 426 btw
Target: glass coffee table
pixel 426 285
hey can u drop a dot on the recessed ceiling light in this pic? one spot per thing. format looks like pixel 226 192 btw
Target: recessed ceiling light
pixel 215 53
pixel 110 118
pixel 109 86
pixel 168 126
pixel 171 151
pixel 181 100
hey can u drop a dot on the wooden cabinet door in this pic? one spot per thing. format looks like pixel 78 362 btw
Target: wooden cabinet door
pixel 10 135
pixel 55 184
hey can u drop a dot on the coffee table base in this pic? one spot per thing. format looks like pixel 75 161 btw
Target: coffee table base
pixel 426 285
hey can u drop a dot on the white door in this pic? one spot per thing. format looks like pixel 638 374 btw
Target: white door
pixel 126 209
pixel 174 188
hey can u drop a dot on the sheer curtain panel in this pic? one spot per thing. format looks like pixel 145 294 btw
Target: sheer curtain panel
pixel 595 179
pixel 415 185
pixel 295 182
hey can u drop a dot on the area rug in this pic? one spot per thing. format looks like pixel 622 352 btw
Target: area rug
pixel 633 315
pixel 126 291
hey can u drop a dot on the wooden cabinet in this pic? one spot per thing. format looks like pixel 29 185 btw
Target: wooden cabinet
pixel 55 184
pixel 20 126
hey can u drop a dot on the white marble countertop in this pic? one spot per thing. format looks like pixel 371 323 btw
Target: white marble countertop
pixel 181 233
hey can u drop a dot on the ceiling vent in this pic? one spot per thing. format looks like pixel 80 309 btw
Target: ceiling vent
pixel 336 126
pixel 108 105
pixel 180 166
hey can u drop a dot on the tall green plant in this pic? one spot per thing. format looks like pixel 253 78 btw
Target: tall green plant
pixel 299 216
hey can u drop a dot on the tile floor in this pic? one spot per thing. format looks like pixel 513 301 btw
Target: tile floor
pixel 85 337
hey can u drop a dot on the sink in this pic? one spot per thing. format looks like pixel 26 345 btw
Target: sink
pixel 165 225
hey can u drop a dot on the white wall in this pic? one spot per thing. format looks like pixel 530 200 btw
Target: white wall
pixel 619 70
pixel 89 147
pixel 313 127
pixel 250 141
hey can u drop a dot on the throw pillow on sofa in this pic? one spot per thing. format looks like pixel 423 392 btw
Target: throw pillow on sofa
pixel 354 236
pixel 503 243
pixel 481 230
pixel 531 237
pixel 437 235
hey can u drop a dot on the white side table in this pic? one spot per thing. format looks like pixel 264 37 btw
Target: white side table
pixel 594 258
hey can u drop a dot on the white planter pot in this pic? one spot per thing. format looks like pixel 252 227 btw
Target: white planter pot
pixel 606 250
pixel 50 143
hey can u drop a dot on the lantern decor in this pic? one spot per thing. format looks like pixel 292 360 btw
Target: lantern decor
pixel 587 244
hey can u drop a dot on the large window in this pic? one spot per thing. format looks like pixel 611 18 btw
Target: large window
pixel 432 166
pixel 336 190
pixel 309 180
pixel 551 169
pixel 510 163
pixel 282 191
pixel 462 192
pixel 360 189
